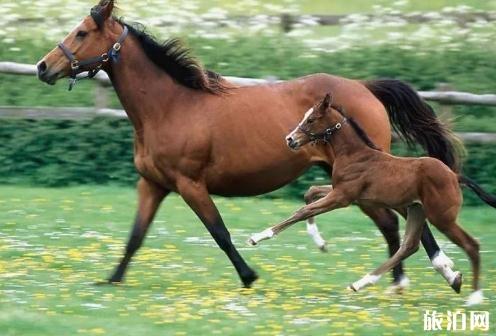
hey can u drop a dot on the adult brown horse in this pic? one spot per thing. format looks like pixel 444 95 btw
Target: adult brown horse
pixel 197 134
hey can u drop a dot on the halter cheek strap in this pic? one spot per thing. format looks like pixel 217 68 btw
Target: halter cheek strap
pixel 324 136
pixel 77 65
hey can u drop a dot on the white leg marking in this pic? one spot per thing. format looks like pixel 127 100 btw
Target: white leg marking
pixel 313 231
pixel 475 298
pixel 367 280
pixel 258 237
pixel 443 265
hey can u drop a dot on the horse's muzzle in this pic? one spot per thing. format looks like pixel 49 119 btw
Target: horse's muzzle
pixel 45 75
pixel 292 143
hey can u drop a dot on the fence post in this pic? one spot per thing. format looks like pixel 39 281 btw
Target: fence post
pixel 287 22
pixel 445 110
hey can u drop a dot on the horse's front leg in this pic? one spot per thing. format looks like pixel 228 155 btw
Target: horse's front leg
pixel 196 195
pixel 149 198
pixel 334 200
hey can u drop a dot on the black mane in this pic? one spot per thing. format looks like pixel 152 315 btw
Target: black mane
pixel 358 130
pixel 176 60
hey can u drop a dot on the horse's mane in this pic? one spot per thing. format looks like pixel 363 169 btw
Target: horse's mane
pixel 175 59
pixel 358 130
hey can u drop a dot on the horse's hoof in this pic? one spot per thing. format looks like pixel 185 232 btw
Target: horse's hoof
pixel 457 283
pixel 249 280
pixel 475 298
pixel 251 242
pixel 108 282
pixel 323 248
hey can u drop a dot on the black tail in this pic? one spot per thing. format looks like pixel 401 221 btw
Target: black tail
pixel 415 121
pixel 483 195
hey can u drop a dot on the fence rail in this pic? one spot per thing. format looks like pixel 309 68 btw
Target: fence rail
pixel 79 113
pixel 443 97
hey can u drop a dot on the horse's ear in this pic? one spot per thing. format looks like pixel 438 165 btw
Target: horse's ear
pixel 326 103
pixel 102 12
pixel 107 7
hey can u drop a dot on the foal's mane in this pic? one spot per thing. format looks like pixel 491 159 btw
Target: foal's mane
pixel 358 129
pixel 175 59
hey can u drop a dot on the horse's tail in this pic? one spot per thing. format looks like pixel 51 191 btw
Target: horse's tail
pixel 483 195
pixel 415 121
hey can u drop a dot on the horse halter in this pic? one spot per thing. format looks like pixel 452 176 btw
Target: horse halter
pixel 324 136
pixel 99 61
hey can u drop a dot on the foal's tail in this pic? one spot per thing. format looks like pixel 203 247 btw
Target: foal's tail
pixel 483 195
pixel 415 121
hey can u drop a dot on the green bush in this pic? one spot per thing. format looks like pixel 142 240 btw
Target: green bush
pixel 61 153
pixel 100 151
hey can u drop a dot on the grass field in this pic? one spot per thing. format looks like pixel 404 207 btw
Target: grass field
pixel 56 243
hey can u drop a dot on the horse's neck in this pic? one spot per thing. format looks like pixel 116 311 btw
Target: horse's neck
pixel 145 91
pixel 346 143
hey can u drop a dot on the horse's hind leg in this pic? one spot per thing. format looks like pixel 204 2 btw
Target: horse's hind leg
pixel 387 222
pixel 313 194
pixel 458 236
pixel 440 261
pixel 413 231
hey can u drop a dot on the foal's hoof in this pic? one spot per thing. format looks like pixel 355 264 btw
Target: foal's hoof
pixel 251 242
pixel 249 280
pixel 323 248
pixel 475 298
pixel 351 288
pixel 457 283
pixel 399 286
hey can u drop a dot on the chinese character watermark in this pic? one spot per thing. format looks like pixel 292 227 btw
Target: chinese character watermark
pixel 433 320
pixel 456 321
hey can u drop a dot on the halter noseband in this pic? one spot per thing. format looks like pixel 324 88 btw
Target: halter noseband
pixel 77 65
pixel 324 136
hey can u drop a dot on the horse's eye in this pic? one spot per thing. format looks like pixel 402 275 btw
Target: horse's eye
pixel 310 120
pixel 81 34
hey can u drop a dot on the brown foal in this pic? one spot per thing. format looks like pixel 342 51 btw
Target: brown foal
pixel 367 176
pixel 197 134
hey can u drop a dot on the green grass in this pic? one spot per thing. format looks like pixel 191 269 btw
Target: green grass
pixel 55 243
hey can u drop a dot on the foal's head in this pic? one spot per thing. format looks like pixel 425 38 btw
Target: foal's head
pixel 318 124
pixel 89 44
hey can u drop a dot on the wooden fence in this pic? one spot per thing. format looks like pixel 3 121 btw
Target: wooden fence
pixel 443 97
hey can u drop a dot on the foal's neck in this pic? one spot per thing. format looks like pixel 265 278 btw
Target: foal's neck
pixel 145 91
pixel 346 142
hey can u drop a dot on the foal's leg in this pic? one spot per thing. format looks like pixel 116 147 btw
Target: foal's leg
pixel 198 198
pixel 458 236
pixel 440 261
pixel 387 222
pixel 149 198
pixel 331 201
pixel 313 194
pixel 413 231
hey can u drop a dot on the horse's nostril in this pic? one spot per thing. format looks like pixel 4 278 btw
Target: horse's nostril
pixel 42 68
pixel 291 142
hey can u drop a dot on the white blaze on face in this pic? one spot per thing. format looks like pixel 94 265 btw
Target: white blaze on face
pixel 305 117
